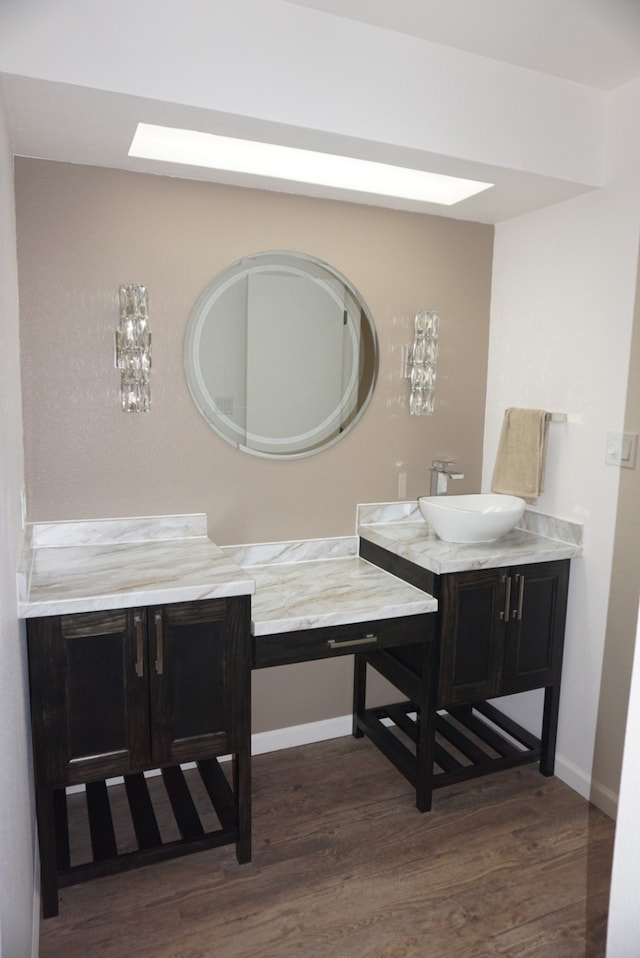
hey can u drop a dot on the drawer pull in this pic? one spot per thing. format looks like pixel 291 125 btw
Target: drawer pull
pixel 520 599
pixel 137 624
pixel 157 618
pixel 504 616
pixel 347 643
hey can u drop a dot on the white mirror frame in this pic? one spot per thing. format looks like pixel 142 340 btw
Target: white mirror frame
pixel 268 406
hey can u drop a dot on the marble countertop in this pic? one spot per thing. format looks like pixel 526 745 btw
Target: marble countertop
pixel 104 564
pixel 86 566
pixel 320 582
pixel 400 528
pixel 83 566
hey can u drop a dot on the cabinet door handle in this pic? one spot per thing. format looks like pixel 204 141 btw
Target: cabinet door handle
pixel 504 615
pixel 157 618
pixel 520 597
pixel 137 624
pixel 346 643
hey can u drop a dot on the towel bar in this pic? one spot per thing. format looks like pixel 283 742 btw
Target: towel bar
pixel 555 416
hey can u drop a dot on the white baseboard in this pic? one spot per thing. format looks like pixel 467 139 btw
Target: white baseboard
pixel 306 734
pixel 595 792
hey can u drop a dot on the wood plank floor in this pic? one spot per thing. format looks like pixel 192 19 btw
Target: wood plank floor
pixel 512 865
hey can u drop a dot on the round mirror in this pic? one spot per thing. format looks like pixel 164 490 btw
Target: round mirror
pixel 281 355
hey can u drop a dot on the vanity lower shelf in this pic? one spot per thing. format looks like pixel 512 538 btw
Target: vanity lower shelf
pixel 469 741
pixel 144 820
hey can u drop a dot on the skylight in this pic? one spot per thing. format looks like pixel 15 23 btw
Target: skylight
pixel 299 166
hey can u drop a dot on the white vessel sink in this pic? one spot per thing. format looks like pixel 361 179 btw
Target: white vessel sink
pixel 476 518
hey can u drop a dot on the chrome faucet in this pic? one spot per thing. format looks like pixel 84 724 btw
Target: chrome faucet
pixel 441 472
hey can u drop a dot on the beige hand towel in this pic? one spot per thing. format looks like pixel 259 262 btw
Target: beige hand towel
pixel 521 458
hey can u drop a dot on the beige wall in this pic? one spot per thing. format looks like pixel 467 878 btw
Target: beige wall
pixel 83 231
pixel 622 613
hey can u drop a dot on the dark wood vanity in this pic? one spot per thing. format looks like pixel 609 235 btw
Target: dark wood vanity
pixel 134 692
pixel 499 631
pixel 123 692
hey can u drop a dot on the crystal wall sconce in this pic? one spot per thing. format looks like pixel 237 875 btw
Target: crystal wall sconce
pixel 421 363
pixel 133 349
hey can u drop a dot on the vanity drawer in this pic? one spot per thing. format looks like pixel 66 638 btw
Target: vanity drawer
pixel 305 645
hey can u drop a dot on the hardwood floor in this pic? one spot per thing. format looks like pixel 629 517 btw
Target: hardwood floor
pixel 513 865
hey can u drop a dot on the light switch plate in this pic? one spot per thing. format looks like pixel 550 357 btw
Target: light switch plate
pixel 622 448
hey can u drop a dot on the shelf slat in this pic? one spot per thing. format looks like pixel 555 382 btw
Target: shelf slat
pixel 143 816
pixel 219 791
pixel 183 806
pixel 103 839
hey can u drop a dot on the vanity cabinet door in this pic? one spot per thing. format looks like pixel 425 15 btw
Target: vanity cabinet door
pixel 89 698
pixel 113 692
pixel 533 652
pixel 502 631
pixel 197 651
pixel 472 636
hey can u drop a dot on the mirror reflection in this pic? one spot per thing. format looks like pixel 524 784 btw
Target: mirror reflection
pixel 281 355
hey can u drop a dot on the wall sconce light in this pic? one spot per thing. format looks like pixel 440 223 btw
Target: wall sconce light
pixel 133 349
pixel 421 363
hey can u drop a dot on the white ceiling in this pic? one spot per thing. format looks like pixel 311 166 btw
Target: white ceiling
pixel 595 43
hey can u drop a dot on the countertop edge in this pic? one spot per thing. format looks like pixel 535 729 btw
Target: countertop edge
pixel 465 558
pixel 108 602
pixel 300 624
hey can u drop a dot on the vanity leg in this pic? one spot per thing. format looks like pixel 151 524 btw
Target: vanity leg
pixel 242 791
pixel 549 729
pixel 45 811
pixel 359 692
pixel 426 730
